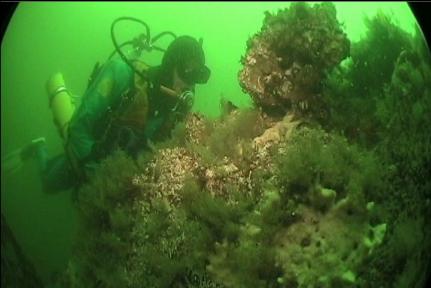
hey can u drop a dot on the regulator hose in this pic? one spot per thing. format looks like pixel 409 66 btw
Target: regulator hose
pixel 142 42
pixel 118 48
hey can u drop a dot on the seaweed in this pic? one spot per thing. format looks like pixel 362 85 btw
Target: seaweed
pixel 353 90
pixel 105 222
pixel 172 242
pixel 314 158
pixel 227 133
pixel 403 113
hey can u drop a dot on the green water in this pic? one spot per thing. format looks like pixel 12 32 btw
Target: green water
pixel 43 38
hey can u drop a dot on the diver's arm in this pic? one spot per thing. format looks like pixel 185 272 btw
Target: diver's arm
pixel 168 121
pixel 114 79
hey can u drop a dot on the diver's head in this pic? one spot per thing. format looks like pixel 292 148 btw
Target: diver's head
pixel 184 64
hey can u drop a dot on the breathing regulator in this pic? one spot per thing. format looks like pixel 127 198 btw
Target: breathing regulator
pixel 142 42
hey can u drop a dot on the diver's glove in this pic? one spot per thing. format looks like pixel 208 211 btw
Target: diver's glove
pixel 187 97
pixel 185 100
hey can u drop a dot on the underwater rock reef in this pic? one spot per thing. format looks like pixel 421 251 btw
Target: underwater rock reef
pixel 279 195
pixel 287 60
pixel 285 212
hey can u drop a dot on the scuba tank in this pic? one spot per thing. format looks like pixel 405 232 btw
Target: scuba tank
pixel 61 103
pixel 63 106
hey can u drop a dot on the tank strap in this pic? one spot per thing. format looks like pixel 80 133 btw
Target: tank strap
pixel 77 169
pixel 56 92
pixel 96 71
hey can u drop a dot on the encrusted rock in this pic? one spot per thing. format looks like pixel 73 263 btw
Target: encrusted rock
pixel 286 61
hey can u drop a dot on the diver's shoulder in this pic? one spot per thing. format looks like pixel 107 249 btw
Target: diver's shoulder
pixel 118 64
pixel 119 69
pixel 141 65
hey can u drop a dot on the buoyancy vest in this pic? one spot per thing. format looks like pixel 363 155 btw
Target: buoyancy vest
pixel 124 121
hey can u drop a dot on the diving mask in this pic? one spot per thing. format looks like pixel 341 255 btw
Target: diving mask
pixel 196 75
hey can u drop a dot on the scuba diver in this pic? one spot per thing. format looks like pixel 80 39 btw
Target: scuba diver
pixel 127 105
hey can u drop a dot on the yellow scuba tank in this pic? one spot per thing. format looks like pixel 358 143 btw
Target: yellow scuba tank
pixel 60 102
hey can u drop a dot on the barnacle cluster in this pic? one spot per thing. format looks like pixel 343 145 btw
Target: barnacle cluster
pixel 163 177
pixel 286 61
pixel 196 127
